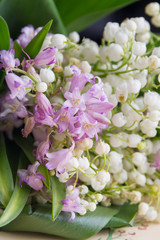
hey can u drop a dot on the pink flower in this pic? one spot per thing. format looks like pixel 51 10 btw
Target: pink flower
pixel 46 57
pixel 80 79
pixel 58 160
pixel 44 103
pixel 72 204
pixel 157 160
pixel 7 60
pixel 31 177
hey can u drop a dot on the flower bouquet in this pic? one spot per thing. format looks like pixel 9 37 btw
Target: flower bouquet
pixel 79 140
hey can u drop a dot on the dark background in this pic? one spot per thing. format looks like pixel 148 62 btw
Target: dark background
pixel 136 9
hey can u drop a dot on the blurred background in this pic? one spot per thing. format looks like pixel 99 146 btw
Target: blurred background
pixel 136 9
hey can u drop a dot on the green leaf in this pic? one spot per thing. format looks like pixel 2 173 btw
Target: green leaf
pixel 20 13
pixel 44 171
pixel 6 180
pixel 82 227
pixel 17 201
pixel 26 144
pixel 35 45
pixel 58 194
pixel 4 35
pixel 124 217
pixel 18 50
pixel 86 12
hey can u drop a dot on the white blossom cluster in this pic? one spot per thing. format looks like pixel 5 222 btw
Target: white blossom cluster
pixel 119 166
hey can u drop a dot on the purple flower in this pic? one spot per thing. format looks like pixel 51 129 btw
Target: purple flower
pixel 42 149
pixel 58 160
pixel 157 160
pixel 17 86
pixel 65 119
pixel 29 125
pixel 74 100
pixel 79 79
pixel 72 204
pixel 43 113
pixel 27 34
pixel 12 106
pixel 7 60
pixel 31 177
pixel 46 57
pixel 44 103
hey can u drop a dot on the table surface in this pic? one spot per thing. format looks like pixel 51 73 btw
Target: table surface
pixel 141 232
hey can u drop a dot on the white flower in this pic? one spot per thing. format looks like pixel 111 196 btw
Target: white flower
pixel 122 93
pixel 143 208
pixel 99 197
pixel 85 67
pixel 74 36
pixel 141 62
pixel 115 162
pixel 100 181
pixel 103 53
pixel 115 52
pixel 134 197
pixel 156 51
pixel 85 144
pixel 154 116
pixel 59 40
pixel 47 75
pixel 155 20
pixel 151 214
pixel 90 50
pixel 68 71
pixel 83 189
pixel 121 37
pixel 142 24
pixel 154 62
pixel 152 9
pixel 107 88
pixel 134 86
pixel 109 31
pixel 138 158
pixel 41 87
pixel 59 57
pixel 72 164
pixel 112 98
pixel 119 119
pixel 91 207
pixel 134 140
pixel 139 48
pixel 83 163
pixel 102 148
pixel 151 98
pixel 63 177
pixel 143 37
pixel 129 24
pixel 121 177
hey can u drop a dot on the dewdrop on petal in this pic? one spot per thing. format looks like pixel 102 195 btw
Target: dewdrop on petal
pixel 47 75
pixel 102 148
pixel 85 67
pixel 41 87
pixel 74 37
pixel 152 9
pixel 59 40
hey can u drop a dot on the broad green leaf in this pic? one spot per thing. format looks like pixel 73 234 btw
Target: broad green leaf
pixel 86 12
pixel 58 194
pixel 2 77
pixel 82 227
pixel 35 45
pixel 124 217
pixel 26 144
pixel 17 201
pixel 20 13
pixel 6 180
pixel 4 35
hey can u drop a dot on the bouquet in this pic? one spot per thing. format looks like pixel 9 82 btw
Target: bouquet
pixel 80 148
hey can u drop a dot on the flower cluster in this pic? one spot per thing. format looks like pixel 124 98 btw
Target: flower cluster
pixel 93 112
